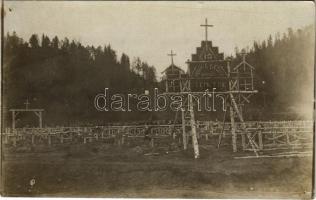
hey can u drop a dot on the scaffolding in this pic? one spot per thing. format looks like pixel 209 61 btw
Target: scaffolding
pixel 209 71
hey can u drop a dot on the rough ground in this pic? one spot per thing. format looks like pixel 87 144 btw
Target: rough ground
pixel 104 170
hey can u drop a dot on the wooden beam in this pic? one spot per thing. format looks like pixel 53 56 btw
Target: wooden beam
pixel 184 135
pixel 13 119
pixel 233 129
pixel 27 110
pixel 226 92
pixel 193 127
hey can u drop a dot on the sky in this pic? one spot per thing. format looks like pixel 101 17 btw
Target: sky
pixel 150 30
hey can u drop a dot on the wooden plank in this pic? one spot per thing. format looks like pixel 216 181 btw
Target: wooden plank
pixel 276 156
pixel 184 136
pixel 193 127
pixel 26 110
pixel 233 129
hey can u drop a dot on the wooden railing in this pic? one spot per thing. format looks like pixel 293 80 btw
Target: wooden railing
pixel 267 134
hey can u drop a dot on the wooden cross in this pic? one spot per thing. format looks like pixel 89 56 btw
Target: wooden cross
pixel 206 25
pixel 27 103
pixel 171 55
pixel 243 54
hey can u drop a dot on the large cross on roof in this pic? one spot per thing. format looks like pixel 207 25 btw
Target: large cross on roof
pixel 207 52
pixel 171 55
pixel 206 25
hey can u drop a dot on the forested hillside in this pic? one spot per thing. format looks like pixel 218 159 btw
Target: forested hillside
pixel 285 72
pixel 63 77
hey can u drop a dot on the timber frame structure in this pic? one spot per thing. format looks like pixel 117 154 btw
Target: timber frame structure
pixel 37 112
pixel 208 70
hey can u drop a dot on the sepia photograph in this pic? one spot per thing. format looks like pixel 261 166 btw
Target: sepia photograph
pixel 157 99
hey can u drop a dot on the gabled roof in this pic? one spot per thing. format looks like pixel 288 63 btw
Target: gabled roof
pixel 174 67
pixel 241 64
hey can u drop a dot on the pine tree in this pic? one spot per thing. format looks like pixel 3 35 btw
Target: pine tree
pixel 34 41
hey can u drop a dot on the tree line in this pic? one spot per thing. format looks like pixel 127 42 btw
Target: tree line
pixel 284 67
pixel 63 76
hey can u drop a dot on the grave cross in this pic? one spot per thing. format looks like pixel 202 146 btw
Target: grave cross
pixel 27 103
pixel 171 55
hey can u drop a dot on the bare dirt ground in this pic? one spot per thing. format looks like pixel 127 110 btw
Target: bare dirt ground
pixel 105 170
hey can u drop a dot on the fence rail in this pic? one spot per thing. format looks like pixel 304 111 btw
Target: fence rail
pixel 266 134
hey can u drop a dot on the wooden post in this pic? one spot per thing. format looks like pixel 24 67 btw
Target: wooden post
pixel 5 136
pixel 188 137
pixel 193 127
pixel 13 119
pixel 33 139
pixel 61 138
pixel 260 140
pixel 5 139
pixel 232 116
pixel 40 119
pixel 234 136
pixel 223 134
pixel 184 135
pixel 14 141
pixel 152 144
pixel 252 86
pixel 243 140
pixel 49 140
pixel 287 137
pixel 211 128
pixel 273 137
pixel 38 113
